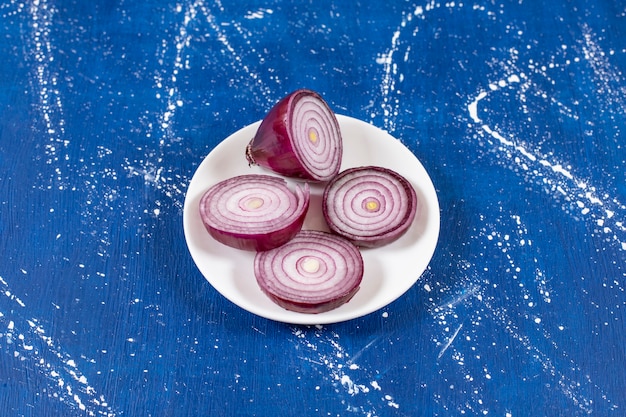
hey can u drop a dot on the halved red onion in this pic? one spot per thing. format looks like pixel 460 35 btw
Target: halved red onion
pixel 312 273
pixel 299 137
pixel 254 212
pixel 371 206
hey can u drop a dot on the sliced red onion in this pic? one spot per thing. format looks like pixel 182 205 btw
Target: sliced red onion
pixel 254 212
pixel 312 273
pixel 371 206
pixel 299 137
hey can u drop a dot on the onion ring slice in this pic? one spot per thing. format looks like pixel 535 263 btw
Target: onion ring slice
pixel 254 212
pixel 312 273
pixel 369 205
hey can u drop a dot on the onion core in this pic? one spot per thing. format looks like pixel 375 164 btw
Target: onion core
pixel 371 206
pixel 312 273
pixel 299 137
pixel 254 212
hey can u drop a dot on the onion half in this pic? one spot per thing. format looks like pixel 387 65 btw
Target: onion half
pixel 254 212
pixel 312 273
pixel 371 206
pixel 299 137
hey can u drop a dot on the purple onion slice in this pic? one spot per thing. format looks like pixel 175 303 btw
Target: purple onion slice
pixel 371 206
pixel 299 137
pixel 312 273
pixel 254 212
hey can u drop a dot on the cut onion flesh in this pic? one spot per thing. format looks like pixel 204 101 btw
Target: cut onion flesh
pixel 254 212
pixel 370 206
pixel 299 137
pixel 312 273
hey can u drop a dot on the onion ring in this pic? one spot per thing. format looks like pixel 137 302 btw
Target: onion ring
pixel 370 205
pixel 254 212
pixel 312 273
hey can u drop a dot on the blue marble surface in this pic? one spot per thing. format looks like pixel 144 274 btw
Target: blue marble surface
pixel 517 109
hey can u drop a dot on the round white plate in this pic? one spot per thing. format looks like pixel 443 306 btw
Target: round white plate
pixel 389 270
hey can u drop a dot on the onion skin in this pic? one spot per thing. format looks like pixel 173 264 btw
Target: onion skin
pixel 267 230
pixel 346 200
pixel 283 275
pixel 280 146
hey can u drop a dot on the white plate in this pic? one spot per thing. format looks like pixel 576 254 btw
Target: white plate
pixel 389 271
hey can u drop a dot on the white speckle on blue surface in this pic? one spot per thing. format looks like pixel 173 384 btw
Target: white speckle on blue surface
pixel 258 14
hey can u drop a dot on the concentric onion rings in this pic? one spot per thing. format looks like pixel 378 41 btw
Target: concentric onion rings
pixel 312 273
pixel 299 137
pixel 254 212
pixel 371 206
pixel 316 136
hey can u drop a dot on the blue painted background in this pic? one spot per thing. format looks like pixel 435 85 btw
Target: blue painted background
pixel 517 109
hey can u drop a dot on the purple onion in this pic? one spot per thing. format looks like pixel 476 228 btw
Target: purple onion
pixel 370 206
pixel 299 137
pixel 254 212
pixel 312 273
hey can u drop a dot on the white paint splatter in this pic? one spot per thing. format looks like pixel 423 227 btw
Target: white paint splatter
pixel 390 106
pixel 166 83
pixel 67 383
pixel 323 348
pixel 45 83
pixel 258 14
pixel 448 342
pixel 609 82
pixel 505 235
pixel 566 182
